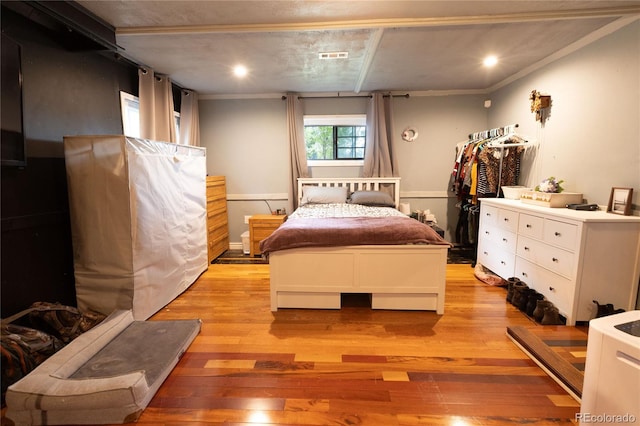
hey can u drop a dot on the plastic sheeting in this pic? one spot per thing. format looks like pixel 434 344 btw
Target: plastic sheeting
pixel 138 221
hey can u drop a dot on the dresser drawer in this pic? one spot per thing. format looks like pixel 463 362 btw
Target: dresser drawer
pixel 500 238
pixel 561 234
pixel 508 220
pixel 530 226
pixel 553 258
pixel 557 289
pixel 488 216
pixel 497 260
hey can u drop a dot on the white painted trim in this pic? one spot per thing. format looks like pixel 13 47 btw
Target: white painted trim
pixel 425 194
pixel 258 197
pixel 335 163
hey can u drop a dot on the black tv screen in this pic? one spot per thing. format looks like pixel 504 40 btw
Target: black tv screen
pixel 13 151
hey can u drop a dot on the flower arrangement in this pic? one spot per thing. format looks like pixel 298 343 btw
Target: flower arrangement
pixel 550 185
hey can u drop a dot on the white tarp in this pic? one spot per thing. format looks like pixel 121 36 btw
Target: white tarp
pixel 138 221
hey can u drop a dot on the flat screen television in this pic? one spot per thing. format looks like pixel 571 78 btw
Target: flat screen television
pixel 13 150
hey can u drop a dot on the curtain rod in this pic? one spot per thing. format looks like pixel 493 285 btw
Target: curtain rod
pixel 406 95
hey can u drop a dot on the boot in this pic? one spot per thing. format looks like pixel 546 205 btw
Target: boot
pixel 518 290
pixel 551 316
pixel 510 282
pixel 603 310
pixel 538 312
pixel 533 302
pixel 524 299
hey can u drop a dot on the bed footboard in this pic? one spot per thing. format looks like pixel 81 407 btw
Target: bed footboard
pixel 404 277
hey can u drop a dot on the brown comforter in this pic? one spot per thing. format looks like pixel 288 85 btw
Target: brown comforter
pixel 349 231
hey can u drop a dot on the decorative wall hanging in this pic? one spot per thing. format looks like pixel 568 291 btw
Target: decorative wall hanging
pixel 409 134
pixel 541 105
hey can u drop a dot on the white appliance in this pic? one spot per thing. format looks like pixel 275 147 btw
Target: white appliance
pixel 611 391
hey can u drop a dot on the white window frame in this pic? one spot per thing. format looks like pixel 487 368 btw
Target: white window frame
pixel 130 108
pixel 335 120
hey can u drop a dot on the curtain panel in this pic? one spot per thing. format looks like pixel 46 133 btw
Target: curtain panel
pixel 297 147
pixel 156 106
pixel 189 118
pixel 379 157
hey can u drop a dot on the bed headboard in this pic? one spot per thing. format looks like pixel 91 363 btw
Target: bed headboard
pixel 355 184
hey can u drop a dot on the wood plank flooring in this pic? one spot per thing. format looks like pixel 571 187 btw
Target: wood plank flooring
pixel 353 366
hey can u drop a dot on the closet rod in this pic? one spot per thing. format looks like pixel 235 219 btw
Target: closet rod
pixel 498 131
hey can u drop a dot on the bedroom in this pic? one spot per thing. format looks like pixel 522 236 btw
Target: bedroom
pixel 591 142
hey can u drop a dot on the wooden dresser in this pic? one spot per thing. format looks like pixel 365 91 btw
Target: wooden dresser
pixel 217 221
pixel 260 227
pixel 571 257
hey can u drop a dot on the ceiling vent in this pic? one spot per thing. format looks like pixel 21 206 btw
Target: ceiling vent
pixel 333 55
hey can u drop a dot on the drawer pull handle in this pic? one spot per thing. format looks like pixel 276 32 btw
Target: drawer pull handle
pixel 485 252
pixel 503 262
pixel 526 248
pixel 552 289
pixel 557 234
pixel 488 214
pixel 504 239
pixel 524 274
pixel 506 219
pixel 555 259
pixel 528 226
pixel 486 232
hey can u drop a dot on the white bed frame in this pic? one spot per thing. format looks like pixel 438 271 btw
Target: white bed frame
pixel 408 277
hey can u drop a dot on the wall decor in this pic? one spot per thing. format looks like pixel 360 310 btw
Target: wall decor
pixel 540 105
pixel 620 201
pixel 409 134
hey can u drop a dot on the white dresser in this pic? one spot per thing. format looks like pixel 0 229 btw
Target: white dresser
pixel 572 257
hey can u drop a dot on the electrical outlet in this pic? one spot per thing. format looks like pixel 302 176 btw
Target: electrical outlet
pixel 246 219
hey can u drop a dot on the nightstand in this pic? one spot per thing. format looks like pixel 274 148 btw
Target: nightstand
pixel 260 227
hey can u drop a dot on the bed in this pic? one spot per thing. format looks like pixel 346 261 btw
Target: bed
pixel 313 271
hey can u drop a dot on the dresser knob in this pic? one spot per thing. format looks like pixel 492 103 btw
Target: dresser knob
pixel 552 289
pixel 528 226
pixel 526 248
pixel 502 262
pixel 557 234
pixel 504 240
pixel 555 259
pixel 506 219
pixel 524 274
pixel 485 252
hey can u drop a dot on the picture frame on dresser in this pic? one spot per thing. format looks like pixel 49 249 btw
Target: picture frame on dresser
pixel 620 201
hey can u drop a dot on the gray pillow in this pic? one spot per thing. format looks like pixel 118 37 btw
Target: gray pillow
pixel 372 198
pixel 323 194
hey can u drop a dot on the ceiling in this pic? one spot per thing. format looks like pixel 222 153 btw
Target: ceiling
pixel 393 45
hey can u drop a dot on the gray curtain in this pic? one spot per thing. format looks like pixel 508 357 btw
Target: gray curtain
pixel 189 119
pixel 379 158
pixel 156 106
pixel 297 148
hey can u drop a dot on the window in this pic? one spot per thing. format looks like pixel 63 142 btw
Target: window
pixel 130 106
pixel 329 139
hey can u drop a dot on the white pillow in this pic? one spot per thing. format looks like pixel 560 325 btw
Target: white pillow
pixel 323 194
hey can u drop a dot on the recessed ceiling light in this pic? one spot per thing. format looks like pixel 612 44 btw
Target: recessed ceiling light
pixel 490 61
pixel 240 71
pixel 333 55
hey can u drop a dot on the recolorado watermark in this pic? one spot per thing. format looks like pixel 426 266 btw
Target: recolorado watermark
pixel 605 418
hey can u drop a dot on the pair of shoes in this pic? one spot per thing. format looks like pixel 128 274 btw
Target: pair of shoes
pixel 551 316
pixel 519 289
pixel 606 310
pixel 510 282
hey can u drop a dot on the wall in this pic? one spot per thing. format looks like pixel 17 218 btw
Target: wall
pixel 247 142
pixel 592 136
pixel 65 93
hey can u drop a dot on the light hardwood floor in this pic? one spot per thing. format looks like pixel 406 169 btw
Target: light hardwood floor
pixel 353 366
